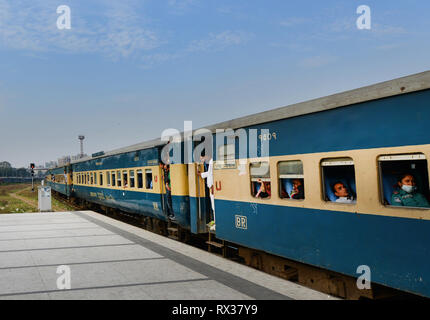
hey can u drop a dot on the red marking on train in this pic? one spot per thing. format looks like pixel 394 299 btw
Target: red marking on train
pixel 218 188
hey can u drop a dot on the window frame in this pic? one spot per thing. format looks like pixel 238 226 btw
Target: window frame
pixel 263 179
pixel 147 171
pixel 130 178
pixel 399 157
pixel 125 179
pixel 139 172
pixel 341 161
pixel 297 176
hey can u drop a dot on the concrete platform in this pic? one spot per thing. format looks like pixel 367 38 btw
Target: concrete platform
pixel 109 259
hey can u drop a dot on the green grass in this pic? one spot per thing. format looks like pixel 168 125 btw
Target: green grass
pixel 12 205
pixel 9 204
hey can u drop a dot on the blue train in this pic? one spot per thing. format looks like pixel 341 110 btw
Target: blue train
pixel 326 195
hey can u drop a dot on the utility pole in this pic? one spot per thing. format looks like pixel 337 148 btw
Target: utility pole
pixel 32 176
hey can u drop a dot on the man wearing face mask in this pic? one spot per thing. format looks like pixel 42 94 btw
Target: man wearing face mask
pixel 406 194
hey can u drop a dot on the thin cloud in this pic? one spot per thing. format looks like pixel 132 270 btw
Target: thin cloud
pixel 216 42
pixel 116 33
pixel 317 61
pixel 293 21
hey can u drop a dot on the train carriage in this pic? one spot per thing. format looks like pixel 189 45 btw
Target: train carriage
pixel 361 140
pixel 60 180
pixel 132 180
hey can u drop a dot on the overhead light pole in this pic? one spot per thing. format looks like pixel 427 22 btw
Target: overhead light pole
pixel 81 138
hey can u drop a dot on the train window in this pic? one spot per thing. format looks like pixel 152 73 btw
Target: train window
pixel 108 178
pixel 113 179
pixel 125 179
pixel 131 178
pixel 118 176
pixel 139 179
pixel 260 180
pixel 148 178
pixel 92 177
pixel 338 180
pixel 101 178
pixel 95 178
pixel 226 157
pixel 291 180
pixel 404 180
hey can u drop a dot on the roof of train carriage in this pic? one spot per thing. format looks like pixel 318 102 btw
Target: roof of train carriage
pixel 408 84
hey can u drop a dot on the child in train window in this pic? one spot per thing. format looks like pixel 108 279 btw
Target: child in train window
pixel 404 180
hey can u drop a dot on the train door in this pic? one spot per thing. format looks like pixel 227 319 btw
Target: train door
pixel 200 211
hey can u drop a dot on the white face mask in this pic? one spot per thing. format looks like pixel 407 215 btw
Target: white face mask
pixel 408 189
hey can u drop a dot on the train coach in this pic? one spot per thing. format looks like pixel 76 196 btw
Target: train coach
pixel 327 195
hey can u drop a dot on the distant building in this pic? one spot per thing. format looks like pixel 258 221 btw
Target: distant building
pixel 64 161
pixel 50 164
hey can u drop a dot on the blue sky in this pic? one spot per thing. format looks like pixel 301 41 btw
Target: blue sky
pixel 127 70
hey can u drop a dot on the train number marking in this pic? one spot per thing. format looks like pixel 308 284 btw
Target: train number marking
pixel 241 222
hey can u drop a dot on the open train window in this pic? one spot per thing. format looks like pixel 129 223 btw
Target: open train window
pixel 125 179
pixel 404 180
pixel 338 180
pixel 92 178
pixel 118 176
pixel 291 180
pixel 108 178
pixel 131 178
pixel 260 180
pixel 139 179
pixel 101 178
pixel 113 179
pixel 148 178
pixel 95 178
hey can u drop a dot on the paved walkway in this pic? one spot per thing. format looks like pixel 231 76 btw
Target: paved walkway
pixel 109 259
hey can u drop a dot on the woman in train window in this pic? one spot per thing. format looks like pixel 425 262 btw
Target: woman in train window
pixel 406 193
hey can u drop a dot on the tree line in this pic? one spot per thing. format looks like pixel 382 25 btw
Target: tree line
pixel 6 170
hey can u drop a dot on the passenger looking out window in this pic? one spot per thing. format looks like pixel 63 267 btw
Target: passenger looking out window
pixel 339 180
pixel 342 193
pixel 260 180
pixel 264 190
pixel 406 193
pixel 291 182
pixel 404 180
